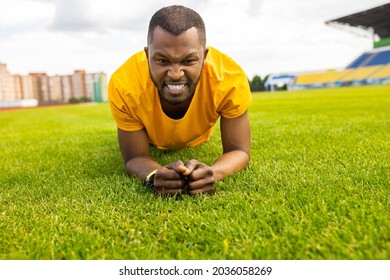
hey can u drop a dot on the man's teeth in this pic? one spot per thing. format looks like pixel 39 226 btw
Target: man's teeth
pixel 176 87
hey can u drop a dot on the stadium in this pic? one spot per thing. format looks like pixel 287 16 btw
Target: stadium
pixel 370 68
pixel 316 188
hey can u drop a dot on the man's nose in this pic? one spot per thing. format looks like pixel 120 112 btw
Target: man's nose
pixel 175 72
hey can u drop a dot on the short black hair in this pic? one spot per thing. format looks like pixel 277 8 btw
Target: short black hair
pixel 177 19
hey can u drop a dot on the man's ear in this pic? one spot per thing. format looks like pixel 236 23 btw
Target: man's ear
pixel 206 51
pixel 146 52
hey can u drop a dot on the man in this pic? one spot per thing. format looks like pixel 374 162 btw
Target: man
pixel 170 95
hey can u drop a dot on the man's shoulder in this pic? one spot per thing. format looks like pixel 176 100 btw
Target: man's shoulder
pixel 131 80
pixel 215 54
pixel 136 64
pixel 221 65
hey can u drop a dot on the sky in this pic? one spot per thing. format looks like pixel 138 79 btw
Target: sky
pixel 263 36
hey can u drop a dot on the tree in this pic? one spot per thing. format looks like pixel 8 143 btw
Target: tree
pixel 257 84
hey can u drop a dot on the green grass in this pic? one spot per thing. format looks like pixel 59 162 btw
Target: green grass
pixel 317 186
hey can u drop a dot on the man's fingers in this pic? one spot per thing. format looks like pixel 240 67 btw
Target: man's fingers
pixel 192 163
pixel 179 167
pixel 201 183
pixel 173 177
pixel 168 179
pixel 201 171
pixel 201 180
pixel 165 173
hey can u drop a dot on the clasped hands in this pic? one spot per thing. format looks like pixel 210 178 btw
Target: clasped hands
pixel 175 177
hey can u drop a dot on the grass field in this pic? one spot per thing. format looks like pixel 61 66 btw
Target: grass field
pixel 317 186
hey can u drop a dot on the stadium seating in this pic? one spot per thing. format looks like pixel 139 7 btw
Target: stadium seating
pixel 358 62
pixel 380 58
pixel 308 79
pixel 334 76
pixel 360 74
pixel 370 67
pixel 382 73
pixel 371 58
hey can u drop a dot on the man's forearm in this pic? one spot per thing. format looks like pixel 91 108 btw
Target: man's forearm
pixel 141 166
pixel 225 165
pixel 229 163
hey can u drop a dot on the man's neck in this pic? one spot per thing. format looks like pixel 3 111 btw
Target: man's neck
pixel 175 111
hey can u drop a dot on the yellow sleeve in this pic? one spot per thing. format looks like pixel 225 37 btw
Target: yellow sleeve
pixel 237 96
pixel 124 117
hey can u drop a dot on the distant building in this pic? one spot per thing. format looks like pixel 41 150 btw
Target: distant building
pixel 78 79
pixel 278 81
pixel 55 85
pixel 40 89
pixel 7 87
pixel 26 86
pixel 96 86
pixel 66 87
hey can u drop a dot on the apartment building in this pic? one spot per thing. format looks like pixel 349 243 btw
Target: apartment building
pixel 7 86
pixel 41 89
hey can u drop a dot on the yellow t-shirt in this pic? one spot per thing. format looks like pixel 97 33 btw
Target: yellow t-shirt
pixel 223 89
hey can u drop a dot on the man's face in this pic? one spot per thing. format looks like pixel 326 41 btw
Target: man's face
pixel 175 64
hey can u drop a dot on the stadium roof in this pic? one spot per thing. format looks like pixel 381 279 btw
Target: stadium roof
pixel 377 18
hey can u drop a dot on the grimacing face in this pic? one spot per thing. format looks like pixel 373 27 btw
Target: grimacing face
pixel 175 64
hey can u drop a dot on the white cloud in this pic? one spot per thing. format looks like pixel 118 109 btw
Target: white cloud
pixel 24 12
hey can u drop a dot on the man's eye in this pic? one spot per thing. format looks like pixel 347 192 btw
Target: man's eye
pixel 162 61
pixel 189 61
